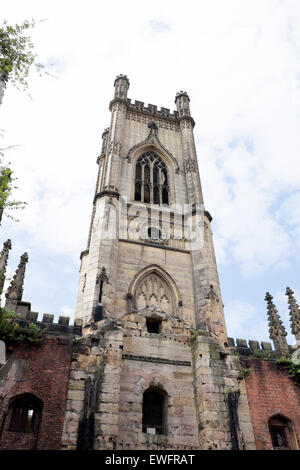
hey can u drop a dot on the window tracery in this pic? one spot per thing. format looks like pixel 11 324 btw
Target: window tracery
pixel 153 291
pixel 151 179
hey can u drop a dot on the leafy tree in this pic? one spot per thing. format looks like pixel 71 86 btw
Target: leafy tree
pixel 16 59
pixel 16 55
pixel 6 188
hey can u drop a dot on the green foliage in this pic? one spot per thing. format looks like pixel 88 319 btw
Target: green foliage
pixel 293 368
pixel 244 373
pixel 284 360
pixel 262 354
pixel 294 372
pixel 6 188
pixel 16 53
pixel 11 332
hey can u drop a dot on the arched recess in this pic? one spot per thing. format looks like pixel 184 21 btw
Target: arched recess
pixel 155 289
pixel 155 407
pixel 282 433
pixel 25 413
pixel 153 144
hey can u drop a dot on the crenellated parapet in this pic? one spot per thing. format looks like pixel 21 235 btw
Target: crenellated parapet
pixel 62 327
pixel 259 349
pixel 152 109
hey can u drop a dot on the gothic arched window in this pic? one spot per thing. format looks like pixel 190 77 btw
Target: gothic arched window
pixel 155 411
pixel 151 179
pixel 281 433
pixel 25 413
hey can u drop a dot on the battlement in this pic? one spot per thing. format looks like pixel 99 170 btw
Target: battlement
pixel 121 77
pixel 182 93
pixel 62 327
pixel 251 347
pixel 152 109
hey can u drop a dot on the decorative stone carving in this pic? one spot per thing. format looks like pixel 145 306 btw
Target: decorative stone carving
pixel 185 124
pixel 153 292
pixel 114 147
pixel 15 291
pixel 153 128
pixel 153 139
pixel 212 295
pixel 110 187
pixel 190 166
pixel 294 313
pixel 102 276
pixel 163 124
pixel 276 329
pixel 3 263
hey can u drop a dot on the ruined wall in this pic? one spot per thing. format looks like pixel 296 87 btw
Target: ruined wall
pixel 271 392
pixel 128 360
pixel 43 370
pixel 119 360
pixel 162 361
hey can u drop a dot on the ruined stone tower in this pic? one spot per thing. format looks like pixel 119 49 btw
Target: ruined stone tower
pixel 153 367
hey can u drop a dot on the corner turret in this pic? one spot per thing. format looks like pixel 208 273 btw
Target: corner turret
pixel 182 102
pixel 121 85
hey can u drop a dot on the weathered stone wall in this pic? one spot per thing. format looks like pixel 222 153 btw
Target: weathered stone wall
pixel 193 369
pixel 162 361
pixel 130 360
pixel 134 257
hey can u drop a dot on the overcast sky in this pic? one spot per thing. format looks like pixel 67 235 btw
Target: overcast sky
pixel 239 61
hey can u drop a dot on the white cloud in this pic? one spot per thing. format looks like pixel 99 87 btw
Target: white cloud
pixel 243 315
pixel 67 310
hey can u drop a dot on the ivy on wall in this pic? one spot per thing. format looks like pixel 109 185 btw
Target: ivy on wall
pixel 293 368
pixel 12 332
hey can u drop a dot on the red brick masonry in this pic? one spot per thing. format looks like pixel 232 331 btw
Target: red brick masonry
pixel 271 392
pixel 43 370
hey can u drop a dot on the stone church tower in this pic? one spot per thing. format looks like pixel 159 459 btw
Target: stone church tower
pixel 153 369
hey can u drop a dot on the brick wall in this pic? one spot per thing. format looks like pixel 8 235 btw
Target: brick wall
pixel 43 370
pixel 271 392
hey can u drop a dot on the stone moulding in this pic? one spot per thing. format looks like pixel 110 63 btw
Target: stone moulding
pixel 145 118
pixel 154 245
pixel 153 141
pixel 155 359
pixel 106 192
